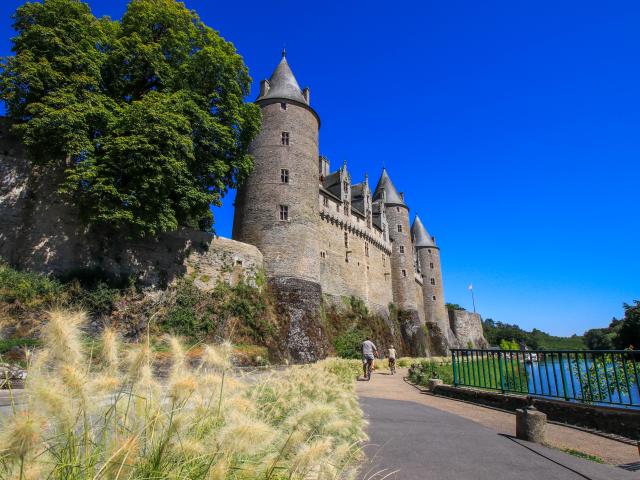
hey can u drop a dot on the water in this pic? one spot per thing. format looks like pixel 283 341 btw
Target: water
pixel 576 382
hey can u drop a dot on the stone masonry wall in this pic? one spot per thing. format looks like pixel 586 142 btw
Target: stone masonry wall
pixel 347 271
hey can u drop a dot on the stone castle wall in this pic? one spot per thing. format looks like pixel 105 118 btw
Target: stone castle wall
pixel 362 267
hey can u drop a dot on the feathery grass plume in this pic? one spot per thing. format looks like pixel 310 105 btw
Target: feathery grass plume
pixel 123 453
pixel 21 435
pixel 310 455
pixel 219 469
pixel 138 357
pixel 178 356
pixel 110 351
pixel 217 356
pixel 61 335
pixel 244 435
pixel 75 381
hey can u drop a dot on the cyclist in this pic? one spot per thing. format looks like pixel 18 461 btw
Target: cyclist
pixel 369 351
pixel 391 354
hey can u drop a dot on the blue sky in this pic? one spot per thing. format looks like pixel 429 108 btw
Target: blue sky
pixel 512 127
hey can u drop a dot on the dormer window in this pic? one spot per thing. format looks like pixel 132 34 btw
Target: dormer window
pixel 285 138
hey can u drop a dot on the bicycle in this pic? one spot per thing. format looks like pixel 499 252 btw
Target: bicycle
pixel 368 368
pixel 392 366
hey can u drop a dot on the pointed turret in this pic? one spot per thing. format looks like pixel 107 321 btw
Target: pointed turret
pixel 282 84
pixel 421 237
pixel 392 197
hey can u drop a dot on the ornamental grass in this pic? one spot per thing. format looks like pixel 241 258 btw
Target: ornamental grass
pixel 109 415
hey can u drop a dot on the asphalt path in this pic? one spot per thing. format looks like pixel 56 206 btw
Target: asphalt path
pixel 410 441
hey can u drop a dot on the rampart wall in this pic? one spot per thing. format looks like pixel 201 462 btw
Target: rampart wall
pixel 359 266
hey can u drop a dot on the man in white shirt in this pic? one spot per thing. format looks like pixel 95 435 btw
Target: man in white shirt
pixel 368 354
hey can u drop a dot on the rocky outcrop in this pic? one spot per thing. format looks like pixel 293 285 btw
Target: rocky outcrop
pixel 467 329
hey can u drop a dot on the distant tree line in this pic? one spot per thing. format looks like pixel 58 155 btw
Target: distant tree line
pixel 505 334
pixel 620 334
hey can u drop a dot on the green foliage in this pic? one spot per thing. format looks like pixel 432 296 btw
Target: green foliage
pixel 536 339
pixel 37 291
pixel 453 306
pixel 620 334
pixel 469 344
pixel 509 345
pixel 348 327
pixel 599 339
pixel 420 373
pixel 197 314
pixel 10 344
pixel 585 456
pixel 146 115
pixel 348 344
pixel 629 332
pixel 30 289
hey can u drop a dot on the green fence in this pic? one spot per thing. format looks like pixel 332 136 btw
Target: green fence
pixel 607 377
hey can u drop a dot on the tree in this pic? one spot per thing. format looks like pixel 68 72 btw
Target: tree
pixel 598 339
pixel 145 115
pixel 453 306
pixel 629 331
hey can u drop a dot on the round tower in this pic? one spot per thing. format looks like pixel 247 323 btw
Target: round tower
pixel 402 267
pixel 277 207
pixel 432 290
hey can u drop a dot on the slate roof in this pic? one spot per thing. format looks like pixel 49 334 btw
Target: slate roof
pixel 421 237
pixel 283 84
pixel 385 184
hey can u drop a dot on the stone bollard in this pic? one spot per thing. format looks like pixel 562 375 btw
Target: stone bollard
pixel 433 383
pixel 531 425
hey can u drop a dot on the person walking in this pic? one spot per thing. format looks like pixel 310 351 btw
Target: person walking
pixel 369 351
pixel 391 354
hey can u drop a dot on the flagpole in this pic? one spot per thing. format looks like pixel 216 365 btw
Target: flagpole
pixel 473 298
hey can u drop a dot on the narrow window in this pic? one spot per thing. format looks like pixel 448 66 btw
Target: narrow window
pixel 404 273
pixel 346 240
pixel 433 281
pixel 325 201
pixel 366 249
pixel 431 264
pixel 283 106
pixel 384 260
pixel 399 228
pixel 285 138
pixel 284 213
pixel 323 254
pixel 284 175
pixel 398 209
pixel 401 249
pixel 346 208
pixel 434 297
pixel 346 186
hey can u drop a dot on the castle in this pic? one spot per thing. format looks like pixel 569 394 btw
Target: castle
pixel 324 234
pixel 320 238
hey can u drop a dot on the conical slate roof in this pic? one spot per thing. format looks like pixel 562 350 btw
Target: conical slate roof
pixel 421 237
pixel 385 183
pixel 283 84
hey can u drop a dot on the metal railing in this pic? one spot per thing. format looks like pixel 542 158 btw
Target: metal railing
pixel 601 377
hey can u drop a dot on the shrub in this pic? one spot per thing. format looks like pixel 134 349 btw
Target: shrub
pixel 424 370
pixel 32 290
pixel 348 344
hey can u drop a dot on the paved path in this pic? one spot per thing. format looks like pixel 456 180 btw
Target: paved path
pixel 414 436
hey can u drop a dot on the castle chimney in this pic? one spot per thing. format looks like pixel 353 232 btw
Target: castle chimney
pixel 306 93
pixel 264 87
pixel 402 196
